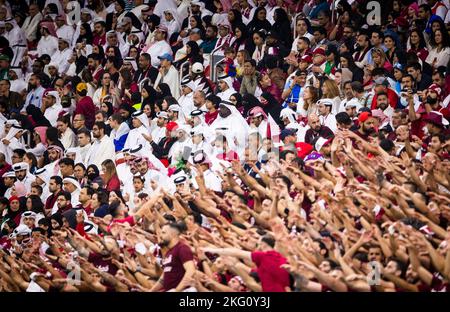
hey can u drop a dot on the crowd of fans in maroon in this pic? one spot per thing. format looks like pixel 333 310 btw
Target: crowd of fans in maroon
pixel 314 156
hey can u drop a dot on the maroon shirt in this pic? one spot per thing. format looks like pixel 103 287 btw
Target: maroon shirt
pixel 273 278
pixel 210 117
pixel 87 108
pixel 173 265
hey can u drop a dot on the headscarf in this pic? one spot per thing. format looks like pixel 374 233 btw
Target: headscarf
pixel 50 26
pixel 41 131
pixel 20 189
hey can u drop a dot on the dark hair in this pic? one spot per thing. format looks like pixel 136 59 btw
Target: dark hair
pixel 387 145
pixel 57 179
pixel 343 118
pixel 67 161
pixel 84 131
pixel 66 195
pixel 95 56
pixel 321 30
pixel 89 190
pixel 20 152
pixel 38 188
pixel 117 117
pixel 269 240
pixel 101 125
pixel 179 226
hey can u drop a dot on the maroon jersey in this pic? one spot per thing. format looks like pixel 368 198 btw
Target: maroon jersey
pixel 173 265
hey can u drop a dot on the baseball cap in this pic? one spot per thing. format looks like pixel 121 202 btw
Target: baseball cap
pixel 285 133
pixel 171 126
pixel 197 68
pixel 166 56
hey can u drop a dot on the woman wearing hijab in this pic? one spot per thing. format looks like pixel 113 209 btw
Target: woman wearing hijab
pixel 163 90
pixel 282 27
pixel 235 18
pixel 270 106
pixel 149 95
pixel 192 55
pixel 93 176
pixel 243 40
pixel 85 34
pixel 347 61
pixel 14 211
pixel 259 21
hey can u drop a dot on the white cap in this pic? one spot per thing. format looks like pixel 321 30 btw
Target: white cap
pixel 197 68
pixel 9 174
pixel 320 143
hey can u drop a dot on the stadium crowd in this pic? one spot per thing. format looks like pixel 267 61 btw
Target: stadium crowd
pixel 226 146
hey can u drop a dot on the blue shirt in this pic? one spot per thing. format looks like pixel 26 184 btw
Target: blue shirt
pixel 294 96
pixel 34 98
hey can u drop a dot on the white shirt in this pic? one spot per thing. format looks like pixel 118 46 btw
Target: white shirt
pixel 66 32
pixel 47 45
pixel 61 58
pixel 52 113
pixel 100 151
pixel 171 79
pixel 329 121
pixel 158 48
pixel 68 138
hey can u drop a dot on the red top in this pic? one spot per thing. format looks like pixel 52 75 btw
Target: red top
pixel 392 97
pixel 87 108
pixel 173 265
pixel 210 117
pixel 113 184
pixel 273 278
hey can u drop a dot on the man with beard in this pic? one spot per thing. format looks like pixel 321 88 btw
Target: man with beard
pixel 54 188
pixel 383 104
pixel 102 148
pixel 183 144
pixel 150 173
pixel 62 30
pixel 146 70
pixel 366 125
pixel 55 153
pixel 178 261
pixel 207 46
pixel 35 92
pixel 158 47
pixel 72 186
pixel 316 130
pixel 362 48
pixel 63 202
pixel 23 175
pixel 159 132
pixel 62 56
pixel 140 132
pixel 95 66
pixel 233 126
pixel 99 33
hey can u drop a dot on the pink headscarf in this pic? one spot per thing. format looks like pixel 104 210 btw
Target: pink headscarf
pixel 20 189
pixel 51 28
pixel 415 7
pixel 41 132
pixel 226 4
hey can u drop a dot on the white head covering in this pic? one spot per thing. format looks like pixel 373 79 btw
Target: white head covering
pixel 142 118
